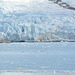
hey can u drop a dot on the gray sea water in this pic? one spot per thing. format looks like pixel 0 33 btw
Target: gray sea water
pixel 52 56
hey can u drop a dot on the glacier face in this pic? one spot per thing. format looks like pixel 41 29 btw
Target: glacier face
pixel 36 21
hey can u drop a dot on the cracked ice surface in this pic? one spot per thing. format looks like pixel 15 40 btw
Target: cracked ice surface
pixel 36 21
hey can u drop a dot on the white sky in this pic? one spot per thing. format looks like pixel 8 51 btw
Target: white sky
pixel 18 0
pixel 24 0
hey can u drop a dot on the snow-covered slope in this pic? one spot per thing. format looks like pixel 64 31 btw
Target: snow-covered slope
pixel 35 21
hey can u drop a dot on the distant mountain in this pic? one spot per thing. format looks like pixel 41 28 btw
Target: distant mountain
pixel 63 4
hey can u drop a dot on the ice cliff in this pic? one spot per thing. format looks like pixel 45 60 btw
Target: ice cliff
pixel 36 21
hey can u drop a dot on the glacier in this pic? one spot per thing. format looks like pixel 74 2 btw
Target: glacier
pixel 36 21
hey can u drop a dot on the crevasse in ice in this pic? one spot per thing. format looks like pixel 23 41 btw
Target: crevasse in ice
pixel 35 21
